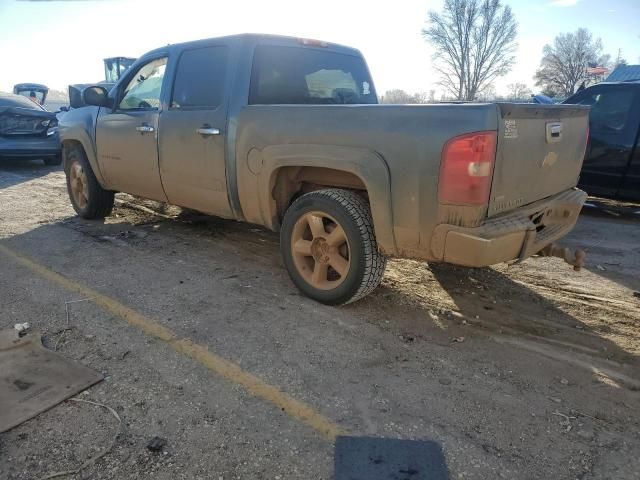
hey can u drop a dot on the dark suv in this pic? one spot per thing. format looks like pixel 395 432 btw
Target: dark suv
pixel 612 162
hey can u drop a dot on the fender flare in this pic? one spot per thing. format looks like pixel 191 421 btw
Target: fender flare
pixel 78 130
pixel 367 165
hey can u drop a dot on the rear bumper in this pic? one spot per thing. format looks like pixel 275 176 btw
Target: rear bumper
pixel 30 147
pixel 513 236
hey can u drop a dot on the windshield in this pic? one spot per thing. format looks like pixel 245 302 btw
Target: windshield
pixel 21 101
pixel 114 68
pixel 297 75
pixel 36 96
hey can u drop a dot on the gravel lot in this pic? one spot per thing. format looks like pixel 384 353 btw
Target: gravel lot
pixel 522 371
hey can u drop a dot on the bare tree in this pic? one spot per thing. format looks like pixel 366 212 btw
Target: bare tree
pixel 487 94
pixel 422 97
pixel 564 64
pixel 518 91
pixel 474 42
pixel 399 96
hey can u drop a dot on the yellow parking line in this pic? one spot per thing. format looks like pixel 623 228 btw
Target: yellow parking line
pixel 226 369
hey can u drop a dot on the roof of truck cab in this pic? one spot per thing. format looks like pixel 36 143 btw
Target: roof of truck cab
pixel 259 38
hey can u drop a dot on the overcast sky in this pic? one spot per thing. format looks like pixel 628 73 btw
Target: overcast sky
pixel 62 42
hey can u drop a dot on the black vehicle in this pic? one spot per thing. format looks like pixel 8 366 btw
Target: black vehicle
pixel 612 161
pixel 27 130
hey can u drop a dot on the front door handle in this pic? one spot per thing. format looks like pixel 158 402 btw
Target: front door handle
pixel 145 129
pixel 207 130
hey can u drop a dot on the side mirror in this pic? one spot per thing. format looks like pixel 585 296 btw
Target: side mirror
pixel 97 96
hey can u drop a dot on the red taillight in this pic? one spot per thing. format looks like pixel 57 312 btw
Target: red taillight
pixel 466 169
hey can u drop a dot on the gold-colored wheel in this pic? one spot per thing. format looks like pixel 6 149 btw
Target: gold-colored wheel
pixel 320 250
pixel 78 184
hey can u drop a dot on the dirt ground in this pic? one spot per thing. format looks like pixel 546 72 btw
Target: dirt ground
pixel 521 371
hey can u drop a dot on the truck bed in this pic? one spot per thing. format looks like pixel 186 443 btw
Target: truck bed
pixel 410 139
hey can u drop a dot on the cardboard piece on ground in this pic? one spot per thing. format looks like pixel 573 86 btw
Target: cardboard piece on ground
pixel 34 379
pixel 371 458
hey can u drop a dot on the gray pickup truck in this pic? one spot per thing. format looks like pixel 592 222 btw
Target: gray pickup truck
pixel 287 133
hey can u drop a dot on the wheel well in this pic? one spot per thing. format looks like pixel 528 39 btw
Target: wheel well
pixel 291 182
pixel 67 145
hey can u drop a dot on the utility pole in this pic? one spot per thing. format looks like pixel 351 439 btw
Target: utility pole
pixel 619 57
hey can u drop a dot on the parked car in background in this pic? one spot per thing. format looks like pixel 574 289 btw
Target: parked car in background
pixel 612 162
pixel 27 130
pixel 287 133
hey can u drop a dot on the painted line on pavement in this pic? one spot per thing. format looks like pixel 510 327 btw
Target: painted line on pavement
pixel 230 371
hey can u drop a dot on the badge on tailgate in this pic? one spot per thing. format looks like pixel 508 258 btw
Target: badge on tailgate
pixel 554 132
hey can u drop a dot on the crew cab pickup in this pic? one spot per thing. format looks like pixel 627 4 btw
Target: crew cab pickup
pixel 287 133
pixel 612 162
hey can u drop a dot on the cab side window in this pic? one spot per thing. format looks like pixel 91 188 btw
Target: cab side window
pixel 143 90
pixel 610 109
pixel 200 78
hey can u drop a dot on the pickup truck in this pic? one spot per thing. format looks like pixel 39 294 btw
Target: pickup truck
pixel 612 163
pixel 287 133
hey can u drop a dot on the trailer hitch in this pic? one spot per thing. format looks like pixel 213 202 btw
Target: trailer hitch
pixel 572 257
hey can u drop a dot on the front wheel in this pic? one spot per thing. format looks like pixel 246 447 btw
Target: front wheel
pixel 88 198
pixel 329 247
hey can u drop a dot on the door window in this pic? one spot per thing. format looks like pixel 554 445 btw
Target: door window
pixel 200 78
pixel 143 90
pixel 610 110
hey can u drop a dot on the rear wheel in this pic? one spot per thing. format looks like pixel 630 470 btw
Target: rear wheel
pixel 329 247
pixel 88 198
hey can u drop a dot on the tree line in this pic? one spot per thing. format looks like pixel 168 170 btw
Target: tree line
pixel 475 43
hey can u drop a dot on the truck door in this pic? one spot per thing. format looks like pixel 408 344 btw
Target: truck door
pixel 127 136
pixel 613 127
pixel 192 132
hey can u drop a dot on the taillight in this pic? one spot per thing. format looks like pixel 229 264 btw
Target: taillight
pixel 466 169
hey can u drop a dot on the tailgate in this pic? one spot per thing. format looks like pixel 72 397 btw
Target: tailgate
pixel 540 152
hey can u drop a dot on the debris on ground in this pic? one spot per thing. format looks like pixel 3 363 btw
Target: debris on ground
pixel 457 340
pixel 98 456
pixel 156 444
pixel 566 423
pixel 22 328
pixel 28 371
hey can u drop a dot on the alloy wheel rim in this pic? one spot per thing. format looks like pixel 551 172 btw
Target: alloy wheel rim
pixel 78 183
pixel 320 250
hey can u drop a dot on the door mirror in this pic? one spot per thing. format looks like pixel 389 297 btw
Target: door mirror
pixel 97 96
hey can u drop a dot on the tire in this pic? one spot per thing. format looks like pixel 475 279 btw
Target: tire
pixel 52 161
pixel 88 198
pixel 320 263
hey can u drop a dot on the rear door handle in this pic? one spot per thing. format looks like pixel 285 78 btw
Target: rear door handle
pixel 206 130
pixel 145 129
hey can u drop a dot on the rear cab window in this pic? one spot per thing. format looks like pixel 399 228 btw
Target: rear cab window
pixel 309 76
pixel 200 78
